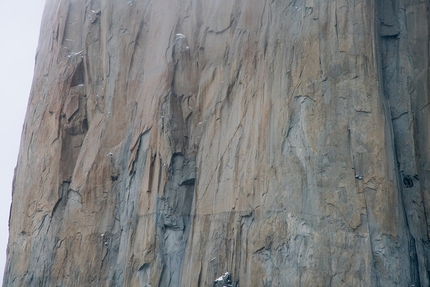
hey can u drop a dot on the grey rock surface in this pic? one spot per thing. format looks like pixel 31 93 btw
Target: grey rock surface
pixel 166 142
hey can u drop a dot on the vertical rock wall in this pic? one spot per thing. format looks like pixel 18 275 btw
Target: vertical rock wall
pixel 405 60
pixel 167 142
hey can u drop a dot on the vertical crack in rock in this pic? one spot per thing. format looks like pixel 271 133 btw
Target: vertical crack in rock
pixel 173 218
pixel 404 59
pixel 174 205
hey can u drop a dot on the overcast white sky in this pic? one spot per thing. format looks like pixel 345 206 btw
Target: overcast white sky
pixel 19 33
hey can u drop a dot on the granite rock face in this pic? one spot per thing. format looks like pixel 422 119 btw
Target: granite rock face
pixel 168 142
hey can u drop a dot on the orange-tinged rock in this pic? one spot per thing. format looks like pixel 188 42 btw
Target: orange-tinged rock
pixel 168 142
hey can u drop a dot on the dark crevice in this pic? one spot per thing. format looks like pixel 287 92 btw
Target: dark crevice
pixel 145 265
pixel 414 267
pixel 395 38
pixel 62 193
pixel 174 219
pixel 78 75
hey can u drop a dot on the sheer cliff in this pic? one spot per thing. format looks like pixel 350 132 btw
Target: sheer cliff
pixel 167 142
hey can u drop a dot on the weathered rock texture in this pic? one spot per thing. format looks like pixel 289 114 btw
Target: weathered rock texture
pixel 167 142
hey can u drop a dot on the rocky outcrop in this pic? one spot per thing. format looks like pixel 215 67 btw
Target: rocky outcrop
pixel 168 142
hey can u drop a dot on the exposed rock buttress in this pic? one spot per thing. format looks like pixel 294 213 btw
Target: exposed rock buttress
pixel 168 142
